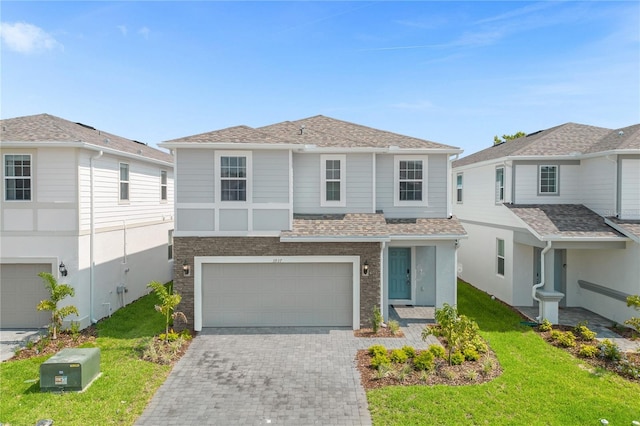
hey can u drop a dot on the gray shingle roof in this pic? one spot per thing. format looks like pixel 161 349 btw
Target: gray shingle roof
pixel 318 130
pixel 563 140
pixel 561 221
pixel 370 225
pixel 45 128
pixel 631 228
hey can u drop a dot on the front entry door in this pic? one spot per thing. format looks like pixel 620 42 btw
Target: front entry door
pixel 400 273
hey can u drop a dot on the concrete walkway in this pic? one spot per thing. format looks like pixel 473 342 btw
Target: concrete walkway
pixel 282 376
pixel 11 340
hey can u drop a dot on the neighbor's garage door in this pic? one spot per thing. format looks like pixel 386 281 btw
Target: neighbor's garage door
pixel 21 289
pixel 277 294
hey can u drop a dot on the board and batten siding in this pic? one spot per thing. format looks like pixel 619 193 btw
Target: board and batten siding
pixel 144 204
pixel 358 181
pixel 598 185
pixel 526 185
pixel 436 188
pixel 630 189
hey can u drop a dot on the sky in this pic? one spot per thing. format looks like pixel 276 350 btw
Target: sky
pixel 452 72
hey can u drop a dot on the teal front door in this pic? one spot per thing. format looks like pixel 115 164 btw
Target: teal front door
pixel 399 273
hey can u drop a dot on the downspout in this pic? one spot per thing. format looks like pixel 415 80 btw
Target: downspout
pixel 92 236
pixel 541 283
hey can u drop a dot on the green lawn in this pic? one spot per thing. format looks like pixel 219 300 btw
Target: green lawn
pixel 540 385
pixel 117 397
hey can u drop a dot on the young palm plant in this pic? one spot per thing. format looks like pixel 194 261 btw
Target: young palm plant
pixel 57 292
pixel 168 302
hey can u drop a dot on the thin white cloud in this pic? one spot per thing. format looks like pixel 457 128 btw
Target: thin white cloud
pixel 144 31
pixel 123 29
pixel 26 38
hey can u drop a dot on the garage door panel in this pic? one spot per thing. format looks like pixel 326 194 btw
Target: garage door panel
pixel 282 294
pixel 21 289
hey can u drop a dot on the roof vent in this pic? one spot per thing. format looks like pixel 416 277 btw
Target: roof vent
pixel 534 133
pixel 302 129
pixel 141 143
pixel 106 140
pixel 139 152
pixel 86 126
pixel 620 133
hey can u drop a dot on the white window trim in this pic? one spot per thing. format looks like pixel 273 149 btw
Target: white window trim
pixel 498 188
pixel 459 187
pixel 5 177
pixel 500 256
pixel 120 182
pixel 557 191
pixel 249 178
pixel 396 179
pixel 164 186
pixel 170 245
pixel 323 180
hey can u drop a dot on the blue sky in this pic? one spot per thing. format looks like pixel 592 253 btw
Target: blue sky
pixel 452 72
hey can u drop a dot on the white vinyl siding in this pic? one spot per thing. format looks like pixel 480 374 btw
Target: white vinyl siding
pixel 598 185
pixel 569 185
pixel 17 177
pixel 333 180
pixel 548 180
pixel 630 189
pixel 499 184
pixel 196 170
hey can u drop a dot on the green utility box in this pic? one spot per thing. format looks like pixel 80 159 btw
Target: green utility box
pixel 70 370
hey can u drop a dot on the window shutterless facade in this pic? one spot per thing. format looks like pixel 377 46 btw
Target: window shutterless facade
pixel 500 256
pixel 124 182
pixel 459 188
pixel 163 185
pixel 410 176
pixel 333 185
pixel 17 177
pixel 233 176
pixel 499 184
pixel 548 180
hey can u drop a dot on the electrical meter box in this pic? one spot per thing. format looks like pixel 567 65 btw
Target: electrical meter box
pixel 70 369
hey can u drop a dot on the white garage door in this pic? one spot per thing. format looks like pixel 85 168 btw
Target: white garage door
pixel 21 289
pixel 277 294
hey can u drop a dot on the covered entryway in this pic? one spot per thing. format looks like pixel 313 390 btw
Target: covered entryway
pixel 288 291
pixel 21 289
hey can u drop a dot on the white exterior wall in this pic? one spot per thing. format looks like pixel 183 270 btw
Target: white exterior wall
pixel 630 189
pixel 523 276
pixel 598 185
pixel 569 183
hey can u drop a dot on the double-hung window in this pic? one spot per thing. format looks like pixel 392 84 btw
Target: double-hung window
pixel 499 184
pixel 233 176
pixel 459 188
pixel 500 256
pixel 163 185
pixel 17 177
pixel 333 186
pixel 548 180
pixel 124 182
pixel 410 178
pixel 170 245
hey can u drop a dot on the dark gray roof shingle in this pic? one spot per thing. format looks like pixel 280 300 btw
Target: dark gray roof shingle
pixel 47 128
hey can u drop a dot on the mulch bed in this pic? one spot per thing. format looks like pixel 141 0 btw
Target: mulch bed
pixel 47 346
pixel 382 332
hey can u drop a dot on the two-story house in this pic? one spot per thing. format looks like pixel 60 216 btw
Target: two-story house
pixel 90 207
pixel 311 223
pixel 553 218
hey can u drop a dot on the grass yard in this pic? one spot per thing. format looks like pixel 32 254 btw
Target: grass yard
pixel 540 385
pixel 117 397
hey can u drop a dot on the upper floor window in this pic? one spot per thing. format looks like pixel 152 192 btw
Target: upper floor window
pixel 124 182
pixel 163 185
pixel 410 180
pixel 333 187
pixel 500 256
pixel 17 177
pixel 459 188
pixel 499 184
pixel 233 177
pixel 548 180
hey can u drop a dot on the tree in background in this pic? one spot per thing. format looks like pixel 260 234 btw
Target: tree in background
pixel 507 138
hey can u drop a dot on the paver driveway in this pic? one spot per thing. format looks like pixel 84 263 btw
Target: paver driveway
pixel 283 376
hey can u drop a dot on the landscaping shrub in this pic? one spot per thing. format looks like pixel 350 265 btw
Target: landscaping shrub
pixel 567 339
pixel 555 334
pixel 609 350
pixel 423 361
pixel 471 354
pixel 583 332
pixel 634 301
pixel 377 350
pixel 437 351
pixel 457 330
pixel 457 358
pixel 394 327
pixel 398 356
pixel 410 351
pixel 376 319
pixel 380 360
pixel 545 325
pixel 588 351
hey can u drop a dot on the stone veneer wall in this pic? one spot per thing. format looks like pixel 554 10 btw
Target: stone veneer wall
pixel 185 248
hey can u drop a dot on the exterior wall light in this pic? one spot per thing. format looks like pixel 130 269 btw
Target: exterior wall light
pixel 63 269
pixel 186 269
pixel 365 268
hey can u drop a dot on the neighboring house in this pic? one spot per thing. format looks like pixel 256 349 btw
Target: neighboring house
pixel 554 216
pixel 92 208
pixel 311 223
